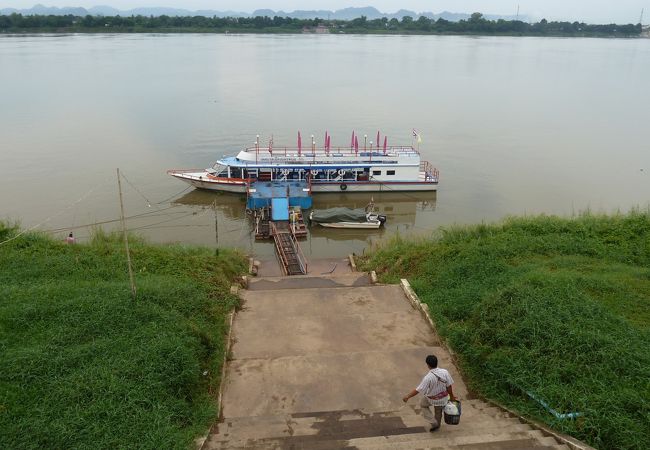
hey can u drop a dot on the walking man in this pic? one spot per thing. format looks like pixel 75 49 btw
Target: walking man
pixel 436 390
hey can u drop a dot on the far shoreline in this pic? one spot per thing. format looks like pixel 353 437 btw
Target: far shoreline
pixel 476 25
pixel 290 33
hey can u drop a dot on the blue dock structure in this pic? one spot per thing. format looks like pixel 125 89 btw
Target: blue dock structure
pixel 277 212
pixel 260 193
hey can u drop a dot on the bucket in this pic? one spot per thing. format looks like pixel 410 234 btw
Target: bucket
pixel 450 417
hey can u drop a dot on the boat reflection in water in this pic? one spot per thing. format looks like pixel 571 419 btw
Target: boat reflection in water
pixel 228 225
pixel 231 206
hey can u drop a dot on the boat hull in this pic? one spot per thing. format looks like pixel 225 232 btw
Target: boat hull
pixel 237 186
pixel 223 185
pixel 353 225
pixel 369 186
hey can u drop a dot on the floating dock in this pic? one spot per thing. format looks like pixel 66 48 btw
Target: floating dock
pixel 261 193
pixel 277 212
pixel 262 218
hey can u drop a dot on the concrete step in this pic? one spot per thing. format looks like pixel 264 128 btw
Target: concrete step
pixel 309 281
pixel 407 413
pixel 326 382
pixel 274 336
pixel 325 301
pixel 407 439
pixel 334 423
pixel 551 442
pixel 441 440
pixel 514 444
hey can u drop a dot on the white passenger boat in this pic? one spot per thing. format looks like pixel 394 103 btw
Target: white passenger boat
pixel 347 218
pixel 327 169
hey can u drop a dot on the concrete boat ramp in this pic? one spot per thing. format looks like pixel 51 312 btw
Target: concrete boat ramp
pixel 322 362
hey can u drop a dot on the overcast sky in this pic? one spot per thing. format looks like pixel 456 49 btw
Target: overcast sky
pixel 594 11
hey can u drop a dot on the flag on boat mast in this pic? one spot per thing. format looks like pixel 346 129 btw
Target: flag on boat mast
pixel 271 145
pixel 385 143
pixel 299 144
pixel 377 141
pixel 416 135
pixel 356 144
pixel 352 141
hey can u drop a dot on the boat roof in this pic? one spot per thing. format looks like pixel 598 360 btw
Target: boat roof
pixel 234 162
pixel 322 159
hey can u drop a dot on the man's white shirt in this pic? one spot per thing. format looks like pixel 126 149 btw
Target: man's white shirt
pixel 434 382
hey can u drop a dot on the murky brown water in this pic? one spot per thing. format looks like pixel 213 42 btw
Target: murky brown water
pixel 515 125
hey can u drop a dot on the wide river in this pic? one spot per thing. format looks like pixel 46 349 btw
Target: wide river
pixel 516 126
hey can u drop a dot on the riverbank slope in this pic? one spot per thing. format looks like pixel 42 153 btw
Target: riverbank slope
pixel 85 366
pixel 551 307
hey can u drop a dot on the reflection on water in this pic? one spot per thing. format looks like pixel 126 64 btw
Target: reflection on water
pixel 231 206
pixel 230 225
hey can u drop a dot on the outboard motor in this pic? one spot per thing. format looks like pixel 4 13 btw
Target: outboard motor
pixel 381 218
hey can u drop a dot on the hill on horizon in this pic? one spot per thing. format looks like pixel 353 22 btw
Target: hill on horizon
pixel 342 14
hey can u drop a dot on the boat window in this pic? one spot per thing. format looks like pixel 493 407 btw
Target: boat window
pixel 376 172
pixel 390 172
pixel 218 170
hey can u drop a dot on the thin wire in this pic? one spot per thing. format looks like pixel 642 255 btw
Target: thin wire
pixel 166 221
pixel 178 226
pixel 136 189
pixel 161 222
pixel 53 216
pixel 135 216
pixel 175 195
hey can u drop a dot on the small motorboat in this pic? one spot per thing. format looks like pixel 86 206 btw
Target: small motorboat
pixel 348 218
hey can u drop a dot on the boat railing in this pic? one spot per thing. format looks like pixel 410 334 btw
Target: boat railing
pixel 284 260
pixel 375 151
pixel 430 172
pixel 185 171
pixel 201 175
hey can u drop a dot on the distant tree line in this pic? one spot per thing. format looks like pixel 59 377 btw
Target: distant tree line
pixel 476 24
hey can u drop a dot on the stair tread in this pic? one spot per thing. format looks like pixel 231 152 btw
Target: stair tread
pixel 407 440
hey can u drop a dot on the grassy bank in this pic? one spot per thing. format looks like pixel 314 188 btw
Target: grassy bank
pixel 83 366
pixel 559 308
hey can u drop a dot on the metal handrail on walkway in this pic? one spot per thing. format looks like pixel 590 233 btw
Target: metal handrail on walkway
pixel 301 257
pixel 284 263
pixel 286 259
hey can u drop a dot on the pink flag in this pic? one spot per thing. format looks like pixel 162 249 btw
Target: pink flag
pixel 271 145
pixel 352 141
pixel 327 143
pixel 356 144
pixel 326 138
pixel 385 143
pixel 377 141
pixel 299 144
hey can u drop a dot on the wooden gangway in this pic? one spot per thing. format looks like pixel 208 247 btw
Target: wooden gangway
pixel 292 260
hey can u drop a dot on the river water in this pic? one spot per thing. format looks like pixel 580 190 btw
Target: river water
pixel 515 126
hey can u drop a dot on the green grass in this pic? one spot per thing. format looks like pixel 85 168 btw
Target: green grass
pixel 557 307
pixel 83 366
